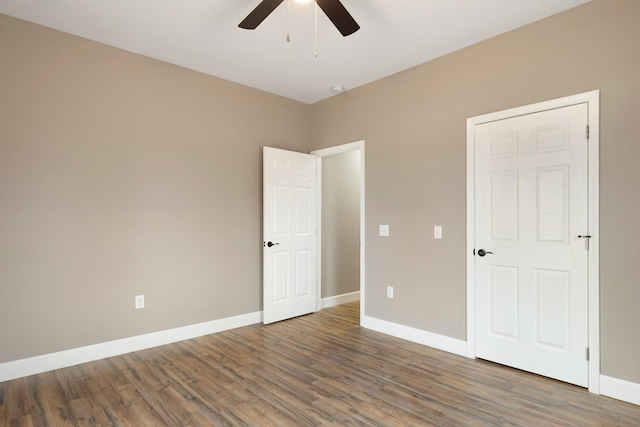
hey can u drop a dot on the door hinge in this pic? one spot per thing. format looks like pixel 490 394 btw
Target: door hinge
pixel 587 131
pixel 587 354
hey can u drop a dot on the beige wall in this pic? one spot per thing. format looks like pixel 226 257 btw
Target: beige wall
pixel 121 175
pixel 414 126
pixel 341 223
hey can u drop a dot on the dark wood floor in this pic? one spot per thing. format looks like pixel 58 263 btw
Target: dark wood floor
pixel 316 370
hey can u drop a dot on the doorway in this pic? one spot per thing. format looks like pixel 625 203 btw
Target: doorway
pixel 292 230
pixel 532 292
pixel 341 225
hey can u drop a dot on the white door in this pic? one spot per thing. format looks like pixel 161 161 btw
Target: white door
pixel 531 209
pixel 289 231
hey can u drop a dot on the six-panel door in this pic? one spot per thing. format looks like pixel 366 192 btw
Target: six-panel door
pixel 289 221
pixel 531 206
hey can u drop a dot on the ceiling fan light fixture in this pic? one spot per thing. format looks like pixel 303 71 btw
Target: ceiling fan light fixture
pixel 338 89
pixel 334 9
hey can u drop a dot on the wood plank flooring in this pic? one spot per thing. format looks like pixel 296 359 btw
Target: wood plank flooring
pixel 316 370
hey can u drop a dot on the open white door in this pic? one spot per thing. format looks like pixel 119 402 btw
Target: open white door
pixel 289 218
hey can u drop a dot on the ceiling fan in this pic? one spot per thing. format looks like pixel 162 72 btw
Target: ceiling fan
pixel 334 10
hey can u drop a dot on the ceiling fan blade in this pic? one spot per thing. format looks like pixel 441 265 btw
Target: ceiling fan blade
pixel 259 14
pixel 340 17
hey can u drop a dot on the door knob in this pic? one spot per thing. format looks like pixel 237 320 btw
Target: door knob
pixel 269 244
pixel 482 252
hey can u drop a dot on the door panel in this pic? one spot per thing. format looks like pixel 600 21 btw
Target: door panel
pixel 531 205
pixel 289 223
pixel 552 210
pixel 553 309
pixel 504 302
pixel 504 206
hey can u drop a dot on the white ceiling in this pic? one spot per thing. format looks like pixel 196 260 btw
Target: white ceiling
pixel 203 35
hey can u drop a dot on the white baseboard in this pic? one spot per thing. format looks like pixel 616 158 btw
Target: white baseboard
pixel 340 299
pixel 620 389
pixel 612 387
pixel 419 336
pixel 48 362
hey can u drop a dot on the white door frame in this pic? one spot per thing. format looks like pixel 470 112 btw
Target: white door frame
pixel 345 148
pixel 593 101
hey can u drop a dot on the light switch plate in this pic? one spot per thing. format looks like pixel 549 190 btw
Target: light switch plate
pixel 139 302
pixel 437 232
pixel 384 230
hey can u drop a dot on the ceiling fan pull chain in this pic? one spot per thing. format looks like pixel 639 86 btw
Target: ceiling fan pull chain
pixel 315 41
pixel 288 16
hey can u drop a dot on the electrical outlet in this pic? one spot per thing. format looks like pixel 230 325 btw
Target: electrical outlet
pixel 437 232
pixel 139 301
pixel 390 292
